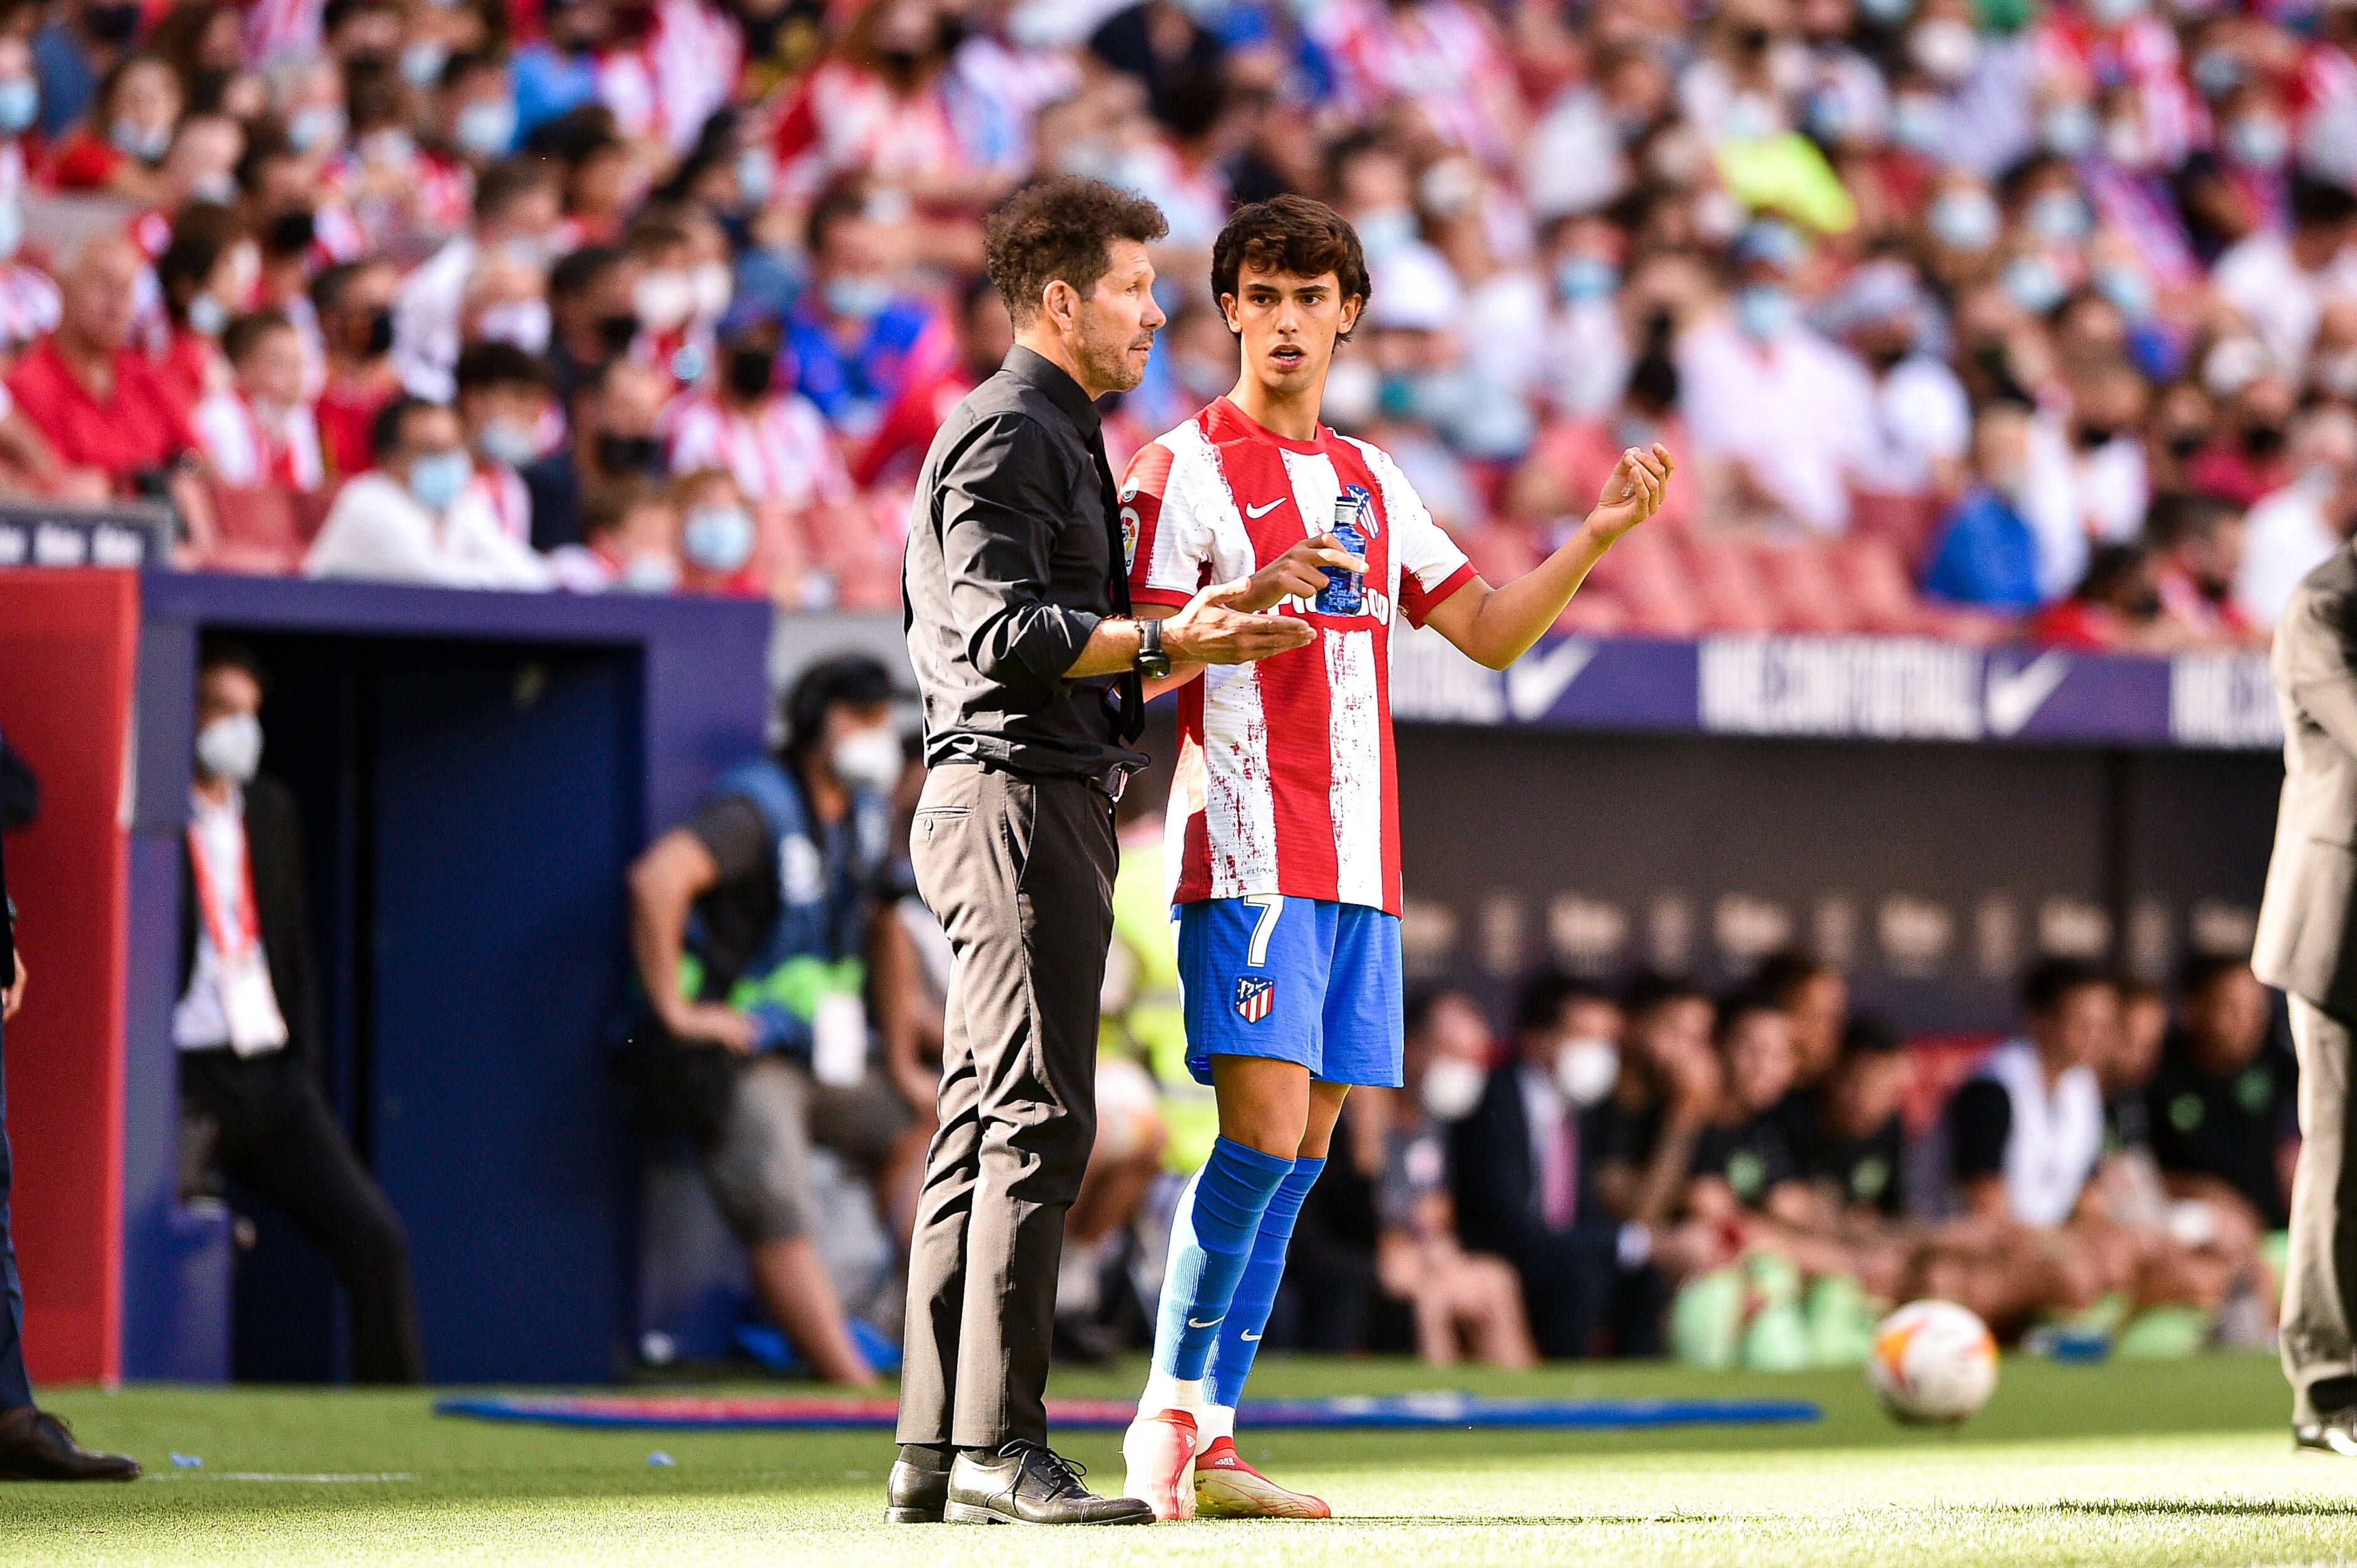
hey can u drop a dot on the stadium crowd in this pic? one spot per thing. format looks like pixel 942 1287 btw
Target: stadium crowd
pixel 1963 319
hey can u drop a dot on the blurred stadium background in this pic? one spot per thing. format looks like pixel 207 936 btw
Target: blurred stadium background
pixel 2010 353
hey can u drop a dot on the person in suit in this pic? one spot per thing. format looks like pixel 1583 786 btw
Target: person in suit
pixel 1524 1185
pixel 33 1445
pixel 247 1027
pixel 2307 946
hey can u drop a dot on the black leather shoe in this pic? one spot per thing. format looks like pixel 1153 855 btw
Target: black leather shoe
pixel 918 1486
pixel 1027 1483
pixel 37 1447
pixel 2336 1433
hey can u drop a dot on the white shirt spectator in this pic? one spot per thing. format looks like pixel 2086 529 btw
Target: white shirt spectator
pixel 378 530
pixel 250 446
pixel 500 490
pixel 426 321
pixel 781 456
pixel 1588 350
pixel 1796 408
pixel 1921 418
pixel 2074 500
pixel 1506 316
pixel 2284 539
pixel 1572 161
pixel 2056 1134
pixel 2260 277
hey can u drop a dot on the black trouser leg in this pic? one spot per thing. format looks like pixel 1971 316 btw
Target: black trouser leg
pixel 1020 872
pixel 16 1386
pixel 278 1137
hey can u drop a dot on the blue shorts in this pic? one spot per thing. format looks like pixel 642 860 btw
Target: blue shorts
pixel 1301 980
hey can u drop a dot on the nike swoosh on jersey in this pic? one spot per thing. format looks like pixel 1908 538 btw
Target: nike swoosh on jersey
pixel 1263 510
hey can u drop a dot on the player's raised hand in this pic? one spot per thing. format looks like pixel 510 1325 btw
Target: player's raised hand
pixel 1634 492
pixel 1299 573
pixel 1213 629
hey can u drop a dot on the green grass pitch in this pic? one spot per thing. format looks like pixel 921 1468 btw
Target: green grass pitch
pixel 2175 1463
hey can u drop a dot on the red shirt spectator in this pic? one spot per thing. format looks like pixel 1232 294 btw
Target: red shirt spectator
pixel 99 402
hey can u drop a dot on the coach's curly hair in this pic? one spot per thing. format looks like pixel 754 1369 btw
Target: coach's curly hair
pixel 1291 234
pixel 1062 228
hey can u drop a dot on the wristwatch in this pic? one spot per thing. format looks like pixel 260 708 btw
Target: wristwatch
pixel 1151 661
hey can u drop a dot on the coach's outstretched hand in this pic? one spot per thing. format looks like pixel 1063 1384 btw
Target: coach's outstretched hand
pixel 1634 491
pixel 1220 626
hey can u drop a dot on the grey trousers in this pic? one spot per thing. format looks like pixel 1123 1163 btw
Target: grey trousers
pixel 1020 869
pixel 2319 1353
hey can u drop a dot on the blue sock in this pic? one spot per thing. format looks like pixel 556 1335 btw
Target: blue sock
pixel 1257 1291
pixel 1219 1214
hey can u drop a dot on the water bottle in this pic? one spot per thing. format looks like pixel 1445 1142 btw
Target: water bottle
pixel 1345 593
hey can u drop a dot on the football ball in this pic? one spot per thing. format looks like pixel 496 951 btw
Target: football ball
pixel 1933 1361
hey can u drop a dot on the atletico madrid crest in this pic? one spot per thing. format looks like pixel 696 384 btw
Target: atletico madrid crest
pixel 1256 999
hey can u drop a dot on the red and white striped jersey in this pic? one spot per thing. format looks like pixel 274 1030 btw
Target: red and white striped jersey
pixel 1286 781
pixel 781 456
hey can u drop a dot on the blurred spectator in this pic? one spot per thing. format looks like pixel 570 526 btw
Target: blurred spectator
pixel 207 264
pixel 765 960
pixel 1572 457
pixel 592 315
pixel 1645 1133
pixel 717 535
pixel 119 149
pixel 855 339
pixel 1785 409
pixel 1986 551
pixel 1747 1152
pixel 2116 606
pixel 2025 1132
pixel 2281 281
pixel 502 402
pixel 247 1027
pixel 1814 997
pixel 515 210
pixel 260 434
pixel 2224 1103
pixel 985 336
pixel 410 520
pixel 1523 1187
pixel 1919 420
pixel 1855 1148
pixel 2198 545
pixel 2289 534
pixel 632 543
pixel 353 304
pixel 616 417
pixel 1467 1306
pixel 100 403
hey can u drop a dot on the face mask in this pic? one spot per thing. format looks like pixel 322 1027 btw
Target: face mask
pixel 439 478
pixel 112 24
pixel 1439 398
pixel 1586 277
pixel 869 760
pixel 1829 118
pixel 318 128
pixel 529 249
pixel 752 369
pixel 1918 122
pixel 485 127
pixel 2068 130
pixel 422 62
pixel 755 175
pixel 2258 140
pixel 1452 1087
pixel 2031 283
pixel 664 300
pixel 207 316
pixel 510 445
pixel 1586 1070
pixel 713 285
pixel 392 146
pixel 1945 49
pixel 718 538
pixel 1763 311
pixel 148 146
pixel 2217 72
pixel 859 299
pixel 649 573
pixel 1964 221
pixel 2061 217
pixel 230 747
pixel 523 322
pixel 380 332
pixel 20 101
pixel 617 332
pixel 292 232
pixel 1383 232
pixel 2127 290
pixel 629 453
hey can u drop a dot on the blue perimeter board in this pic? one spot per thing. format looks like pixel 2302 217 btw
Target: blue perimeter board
pixel 1396 1412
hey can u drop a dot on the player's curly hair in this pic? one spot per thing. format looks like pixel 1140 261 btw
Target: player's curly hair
pixel 1062 228
pixel 1295 235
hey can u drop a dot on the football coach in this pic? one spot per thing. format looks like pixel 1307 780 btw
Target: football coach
pixel 1034 678
pixel 2307 945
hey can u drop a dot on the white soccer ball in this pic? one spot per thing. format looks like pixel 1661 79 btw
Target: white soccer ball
pixel 1933 1361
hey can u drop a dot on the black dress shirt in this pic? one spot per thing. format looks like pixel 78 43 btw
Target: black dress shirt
pixel 1013 560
